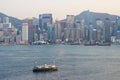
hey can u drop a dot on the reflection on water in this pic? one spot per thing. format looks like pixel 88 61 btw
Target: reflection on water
pixel 74 62
pixel 61 53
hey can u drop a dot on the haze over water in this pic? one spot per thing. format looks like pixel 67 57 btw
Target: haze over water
pixel 74 62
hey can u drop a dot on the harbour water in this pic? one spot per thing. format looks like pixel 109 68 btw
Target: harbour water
pixel 75 62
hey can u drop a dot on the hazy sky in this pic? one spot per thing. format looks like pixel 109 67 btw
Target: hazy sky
pixel 59 8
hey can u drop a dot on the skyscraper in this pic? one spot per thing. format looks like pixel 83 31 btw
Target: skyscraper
pixel 43 20
pixel 107 30
pixel 25 31
pixel 118 29
pixel 50 32
pixel 30 31
pixel 78 30
pixel 58 30
pixel 70 20
pixel 69 30
pixel 0 20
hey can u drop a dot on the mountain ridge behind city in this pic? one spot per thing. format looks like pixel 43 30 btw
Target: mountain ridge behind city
pixel 89 17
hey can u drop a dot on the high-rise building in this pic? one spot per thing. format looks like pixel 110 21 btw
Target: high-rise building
pixel 30 30
pixel 0 20
pixel 118 29
pixel 107 34
pixel 100 30
pixel 58 30
pixel 25 32
pixel 44 19
pixel 91 30
pixel 82 29
pixel 66 34
pixel 70 20
pixel 69 30
pixel 50 32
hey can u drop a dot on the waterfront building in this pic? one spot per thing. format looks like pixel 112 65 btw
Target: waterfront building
pixel 18 39
pixel 25 31
pixel 107 34
pixel 0 20
pixel 86 33
pixel 90 32
pixel 78 30
pixel 100 30
pixel 30 30
pixel 1 32
pixel 94 34
pixel 50 32
pixel 82 29
pixel 118 30
pixel 66 34
pixel 1 26
pixel 70 33
pixel 58 31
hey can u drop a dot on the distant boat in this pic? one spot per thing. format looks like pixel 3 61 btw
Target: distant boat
pixel 74 43
pixel 104 44
pixel 45 68
pixel 90 43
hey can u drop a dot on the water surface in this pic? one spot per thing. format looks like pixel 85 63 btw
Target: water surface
pixel 75 62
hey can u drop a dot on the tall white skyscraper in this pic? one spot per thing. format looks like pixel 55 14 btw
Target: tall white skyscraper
pixel 25 31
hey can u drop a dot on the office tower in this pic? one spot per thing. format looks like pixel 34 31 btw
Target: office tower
pixel 43 20
pixel 66 34
pixel 91 30
pixel 1 30
pixel 72 34
pixel 1 26
pixel 118 29
pixel 0 20
pixel 69 30
pixel 118 24
pixel 100 29
pixel 70 20
pixel 50 32
pixel 58 31
pixel 107 30
pixel 96 34
pixel 82 29
pixel 25 32
pixel 77 29
pixel 30 30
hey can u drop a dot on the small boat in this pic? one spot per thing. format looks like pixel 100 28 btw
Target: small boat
pixel 45 68
pixel 104 44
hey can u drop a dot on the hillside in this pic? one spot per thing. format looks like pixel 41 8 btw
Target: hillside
pixel 16 22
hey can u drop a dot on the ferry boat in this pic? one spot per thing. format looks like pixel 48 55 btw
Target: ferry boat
pixel 45 68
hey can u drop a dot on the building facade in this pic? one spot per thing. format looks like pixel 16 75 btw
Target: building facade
pixel 25 31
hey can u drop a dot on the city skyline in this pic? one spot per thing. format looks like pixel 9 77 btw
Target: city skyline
pixel 59 8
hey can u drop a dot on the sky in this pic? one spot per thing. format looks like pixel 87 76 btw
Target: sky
pixel 59 8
